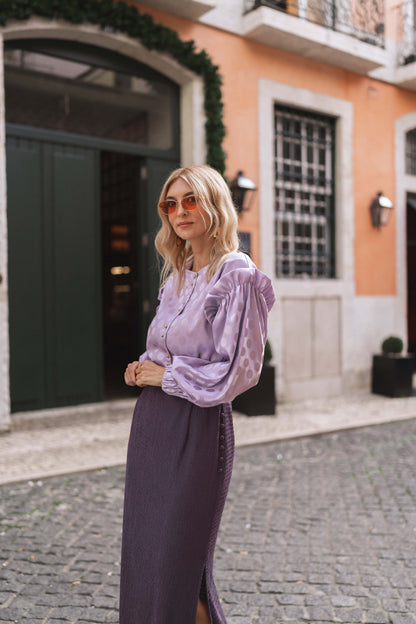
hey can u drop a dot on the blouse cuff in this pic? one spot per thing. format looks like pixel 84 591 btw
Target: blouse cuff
pixel 169 384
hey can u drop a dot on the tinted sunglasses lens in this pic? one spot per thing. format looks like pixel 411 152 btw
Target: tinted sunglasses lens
pixel 167 206
pixel 189 203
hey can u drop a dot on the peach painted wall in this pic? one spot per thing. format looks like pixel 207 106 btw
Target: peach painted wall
pixel 376 107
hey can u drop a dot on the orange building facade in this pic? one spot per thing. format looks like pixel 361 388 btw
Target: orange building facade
pixel 319 111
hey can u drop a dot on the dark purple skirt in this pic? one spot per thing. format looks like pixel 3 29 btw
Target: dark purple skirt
pixel 179 464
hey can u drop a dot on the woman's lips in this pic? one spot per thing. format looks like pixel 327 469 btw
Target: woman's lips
pixel 184 224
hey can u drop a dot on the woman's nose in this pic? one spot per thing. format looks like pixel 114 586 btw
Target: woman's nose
pixel 180 209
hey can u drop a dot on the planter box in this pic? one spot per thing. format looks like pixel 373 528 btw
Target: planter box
pixel 392 375
pixel 260 400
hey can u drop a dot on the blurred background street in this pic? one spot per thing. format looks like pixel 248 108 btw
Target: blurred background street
pixel 308 109
pixel 317 529
pixel 318 526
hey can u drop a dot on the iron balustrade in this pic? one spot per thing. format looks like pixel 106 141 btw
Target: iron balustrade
pixel 405 17
pixel 362 19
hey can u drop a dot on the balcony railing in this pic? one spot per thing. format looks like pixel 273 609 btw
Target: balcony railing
pixel 406 34
pixel 362 19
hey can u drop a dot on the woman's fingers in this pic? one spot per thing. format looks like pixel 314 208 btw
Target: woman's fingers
pixel 149 374
pixel 138 375
pixel 130 373
pixel 142 374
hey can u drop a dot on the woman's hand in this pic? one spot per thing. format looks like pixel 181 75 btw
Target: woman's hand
pixel 148 374
pixel 130 373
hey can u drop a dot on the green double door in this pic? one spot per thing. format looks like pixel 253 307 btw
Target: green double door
pixel 54 274
pixel 60 341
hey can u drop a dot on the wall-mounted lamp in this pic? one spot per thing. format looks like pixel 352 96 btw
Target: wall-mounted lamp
pixel 242 190
pixel 380 210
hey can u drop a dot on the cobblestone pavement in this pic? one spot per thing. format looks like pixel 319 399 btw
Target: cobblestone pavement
pixel 316 530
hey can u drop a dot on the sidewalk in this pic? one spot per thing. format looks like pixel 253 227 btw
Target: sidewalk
pixel 65 441
pixel 318 529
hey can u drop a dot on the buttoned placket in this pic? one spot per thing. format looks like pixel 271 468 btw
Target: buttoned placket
pixel 185 295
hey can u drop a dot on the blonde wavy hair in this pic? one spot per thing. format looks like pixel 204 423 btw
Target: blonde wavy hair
pixel 214 197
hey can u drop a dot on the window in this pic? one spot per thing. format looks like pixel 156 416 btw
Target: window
pixel 411 152
pixel 79 89
pixel 304 194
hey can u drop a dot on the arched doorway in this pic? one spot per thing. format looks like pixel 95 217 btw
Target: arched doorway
pixel 91 134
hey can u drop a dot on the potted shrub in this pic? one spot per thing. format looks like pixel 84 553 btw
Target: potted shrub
pixel 392 372
pixel 260 400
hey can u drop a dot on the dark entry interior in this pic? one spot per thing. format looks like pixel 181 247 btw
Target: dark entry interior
pixel 411 272
pixel 120 181
pixel 91 135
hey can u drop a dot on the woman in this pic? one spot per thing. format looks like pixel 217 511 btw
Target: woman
pixel 204 346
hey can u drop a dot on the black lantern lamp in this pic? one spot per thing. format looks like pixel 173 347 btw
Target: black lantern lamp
pixel 380 210
pixel 242 190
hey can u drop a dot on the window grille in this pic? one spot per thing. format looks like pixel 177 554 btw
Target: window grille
pixel 304 194
pixel 411 152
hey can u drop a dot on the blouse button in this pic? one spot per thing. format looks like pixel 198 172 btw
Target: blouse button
pixel 162 335
pixel 165 326
pixel 222 437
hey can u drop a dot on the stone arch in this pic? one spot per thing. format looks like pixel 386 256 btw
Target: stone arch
pixel 192 137
pixel 113 25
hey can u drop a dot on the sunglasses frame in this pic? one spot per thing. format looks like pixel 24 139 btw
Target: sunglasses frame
pixel 177 201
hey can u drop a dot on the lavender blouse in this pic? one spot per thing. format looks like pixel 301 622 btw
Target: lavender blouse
pixel 211 337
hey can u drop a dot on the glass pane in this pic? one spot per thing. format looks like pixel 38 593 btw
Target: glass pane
pixel 304 193
pixel 411 152
pixel 52 93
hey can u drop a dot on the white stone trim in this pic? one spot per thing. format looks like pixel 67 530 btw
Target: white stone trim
pixel 270 93
pixel 190 9
pixel 404 184
pixel 193 147
pixel 4 308
pixel 289 32
pixel 343 287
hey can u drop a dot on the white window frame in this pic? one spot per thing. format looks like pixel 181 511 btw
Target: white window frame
pixel 288 219
pixel 405 183
pixel 341 287
pixel 274 92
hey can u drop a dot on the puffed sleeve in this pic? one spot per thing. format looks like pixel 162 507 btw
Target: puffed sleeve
pixel 236 310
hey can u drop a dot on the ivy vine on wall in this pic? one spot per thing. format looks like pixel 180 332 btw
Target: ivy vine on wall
pixel 121 17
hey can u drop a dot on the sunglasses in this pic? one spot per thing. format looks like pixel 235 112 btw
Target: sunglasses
pixel 169 206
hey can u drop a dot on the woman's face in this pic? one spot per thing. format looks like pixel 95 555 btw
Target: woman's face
pixel 188 224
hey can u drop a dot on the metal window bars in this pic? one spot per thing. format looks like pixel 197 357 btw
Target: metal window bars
pixel 304 194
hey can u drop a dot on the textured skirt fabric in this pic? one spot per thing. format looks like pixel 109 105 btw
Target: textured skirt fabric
pixel 179 464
